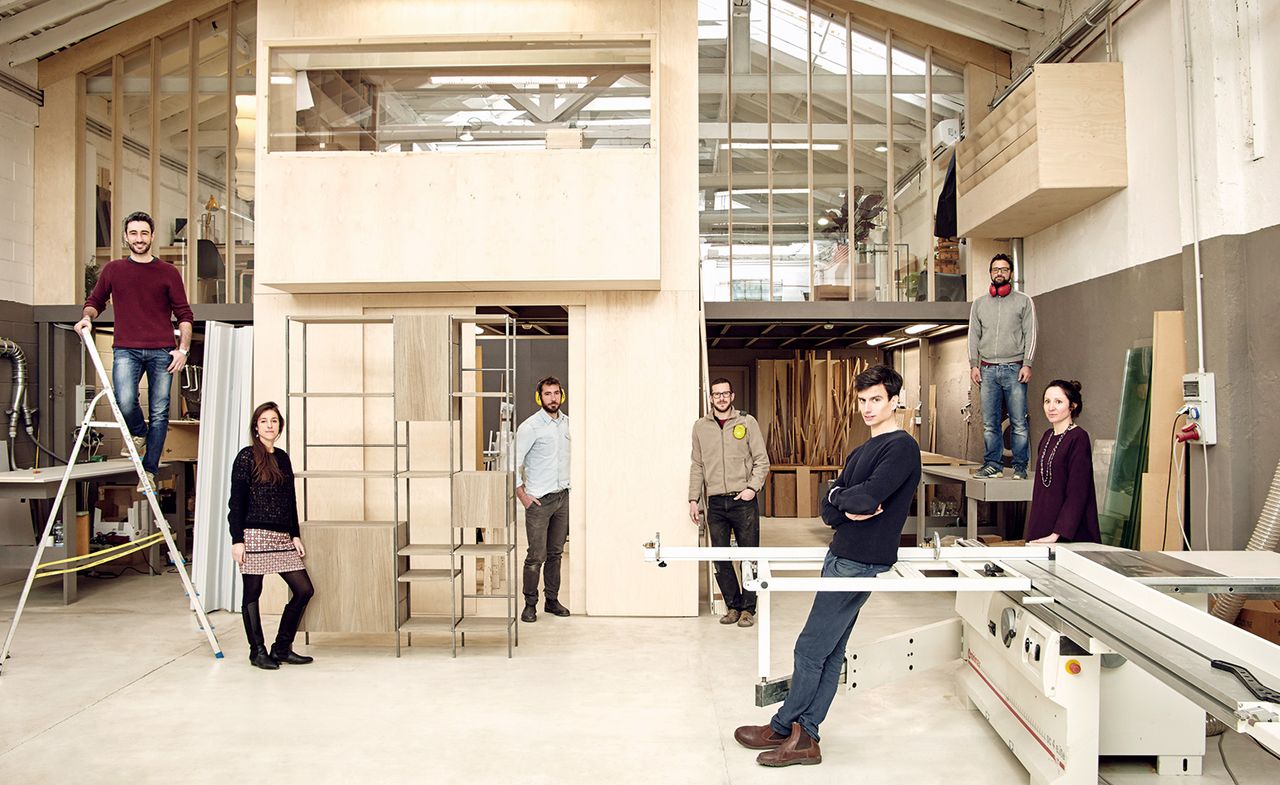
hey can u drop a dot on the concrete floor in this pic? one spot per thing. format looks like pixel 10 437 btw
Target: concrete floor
pixel 121 687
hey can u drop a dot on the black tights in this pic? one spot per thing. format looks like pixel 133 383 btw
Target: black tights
pixel 300 589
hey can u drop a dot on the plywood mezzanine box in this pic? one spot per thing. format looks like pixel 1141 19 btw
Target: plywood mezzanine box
pixel 1053 147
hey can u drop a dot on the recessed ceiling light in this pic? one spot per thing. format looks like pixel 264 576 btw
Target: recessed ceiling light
pixel 880 148
pixel 828 326
pixel 916 329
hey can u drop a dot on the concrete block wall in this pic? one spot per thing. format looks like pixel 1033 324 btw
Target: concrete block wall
pixel 17 192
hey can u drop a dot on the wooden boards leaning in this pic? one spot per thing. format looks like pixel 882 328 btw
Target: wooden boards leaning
pixel 807 408
pixel 1158 529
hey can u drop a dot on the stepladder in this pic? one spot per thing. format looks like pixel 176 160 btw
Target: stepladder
pixel 42 569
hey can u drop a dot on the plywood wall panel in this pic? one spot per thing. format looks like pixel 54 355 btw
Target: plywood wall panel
pixel 422 367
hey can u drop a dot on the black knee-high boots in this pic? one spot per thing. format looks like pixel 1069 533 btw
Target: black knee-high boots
pixel 258 654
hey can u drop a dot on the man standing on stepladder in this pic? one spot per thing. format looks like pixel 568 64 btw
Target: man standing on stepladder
pixel 542 465
pixel 148 295
pixel 867 507
pixel 729 461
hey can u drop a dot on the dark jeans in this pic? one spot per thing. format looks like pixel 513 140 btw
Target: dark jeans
pixel 742 518
pixel 547 527
pixel 127 367
pixel 819 652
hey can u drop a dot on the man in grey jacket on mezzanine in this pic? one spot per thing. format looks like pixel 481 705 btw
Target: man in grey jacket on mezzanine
pixel 1002 347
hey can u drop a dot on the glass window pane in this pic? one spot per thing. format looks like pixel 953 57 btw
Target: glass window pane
pixel 100 224
pixel 171 214
pixel 713 159
pixel 431 97
pixel 211 160
pixel 911 187
pixel 872 278
pixel 135 167
pixel 242 212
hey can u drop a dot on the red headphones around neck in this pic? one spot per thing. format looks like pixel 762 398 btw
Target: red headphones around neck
pixel 1002 290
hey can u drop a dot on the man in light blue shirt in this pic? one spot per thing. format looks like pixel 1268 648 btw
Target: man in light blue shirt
pixel 542 465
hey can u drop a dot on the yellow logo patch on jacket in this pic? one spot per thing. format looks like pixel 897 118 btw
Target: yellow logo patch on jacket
pixel 739 431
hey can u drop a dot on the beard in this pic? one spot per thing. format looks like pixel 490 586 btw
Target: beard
pixel 551 408
pixel 145 247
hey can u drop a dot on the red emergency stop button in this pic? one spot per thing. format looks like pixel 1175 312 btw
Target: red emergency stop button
pixel 1073 667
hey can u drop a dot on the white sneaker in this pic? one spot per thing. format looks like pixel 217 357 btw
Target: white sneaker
pixel 147 484
pixel 139 444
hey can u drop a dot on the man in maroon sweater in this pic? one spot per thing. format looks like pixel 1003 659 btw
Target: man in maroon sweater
pixel 148 294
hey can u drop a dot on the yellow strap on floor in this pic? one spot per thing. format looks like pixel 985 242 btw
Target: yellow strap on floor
pixel 133 547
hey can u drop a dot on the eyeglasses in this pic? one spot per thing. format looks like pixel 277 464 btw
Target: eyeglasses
pixel 1001 269
pixel 728 394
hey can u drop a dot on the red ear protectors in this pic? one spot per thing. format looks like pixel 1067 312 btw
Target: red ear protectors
pixel 1002 290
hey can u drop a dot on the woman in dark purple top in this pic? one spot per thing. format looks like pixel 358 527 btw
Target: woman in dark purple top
pixel 1063 505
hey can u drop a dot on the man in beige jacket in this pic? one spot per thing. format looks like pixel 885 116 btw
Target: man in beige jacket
pixel 730 464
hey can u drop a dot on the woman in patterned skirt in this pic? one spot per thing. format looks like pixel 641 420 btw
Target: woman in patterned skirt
pixel 1063 505
pixel 263 513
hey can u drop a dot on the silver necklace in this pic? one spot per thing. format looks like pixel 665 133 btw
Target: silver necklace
pixel 1046 466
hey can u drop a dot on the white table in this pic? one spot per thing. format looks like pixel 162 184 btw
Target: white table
pixel 43 484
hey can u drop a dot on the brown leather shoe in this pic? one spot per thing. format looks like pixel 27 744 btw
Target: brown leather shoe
pixel 746 619
pixel 758 737
pixel 799 748
pixel 730 616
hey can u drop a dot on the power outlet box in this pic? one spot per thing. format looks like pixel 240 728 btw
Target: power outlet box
pixel 1200 396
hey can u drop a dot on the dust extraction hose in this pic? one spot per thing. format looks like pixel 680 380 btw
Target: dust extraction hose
pixel 19 408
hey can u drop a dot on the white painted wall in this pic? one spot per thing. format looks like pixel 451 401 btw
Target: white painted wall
pixel 1235 80
pixel 1140 223
pixel 17 190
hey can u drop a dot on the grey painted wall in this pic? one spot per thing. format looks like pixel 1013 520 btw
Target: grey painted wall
pixel 1242 347
pixel 1085 331
pixel 17 323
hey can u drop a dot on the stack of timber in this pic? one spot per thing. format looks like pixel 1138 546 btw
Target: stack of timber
pixel 807 408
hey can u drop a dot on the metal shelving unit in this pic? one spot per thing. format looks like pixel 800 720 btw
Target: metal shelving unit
pixel 464 553
pixel 462 550
pixel 299 390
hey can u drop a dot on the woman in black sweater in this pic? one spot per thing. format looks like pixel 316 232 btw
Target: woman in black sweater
pixel 263 514
pixel 1063 505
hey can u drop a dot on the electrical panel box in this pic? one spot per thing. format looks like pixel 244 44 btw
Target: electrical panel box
pixel 1201 400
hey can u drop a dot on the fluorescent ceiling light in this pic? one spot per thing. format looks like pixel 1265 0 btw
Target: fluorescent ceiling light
pixel 780 146
pixel 880 148
pixel 916 329
pixel 880 340
pixel 281 79
pixel 776 191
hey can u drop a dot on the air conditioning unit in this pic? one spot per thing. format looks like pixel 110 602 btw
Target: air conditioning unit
pixel 945 134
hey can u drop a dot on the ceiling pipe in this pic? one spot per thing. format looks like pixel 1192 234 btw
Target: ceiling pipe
pixel 1068 40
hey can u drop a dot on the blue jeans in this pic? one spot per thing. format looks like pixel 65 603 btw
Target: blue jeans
pixel 819 653
pixel 1002 394
pixel 127 368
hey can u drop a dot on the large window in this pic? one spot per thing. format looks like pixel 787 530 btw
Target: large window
pixel 818 168
pixel 171 126
pixel 456 95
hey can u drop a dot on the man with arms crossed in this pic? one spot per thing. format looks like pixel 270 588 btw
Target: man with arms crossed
pixel 867 507
pixel 542 460
pixel 730 462
pixel 148 294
